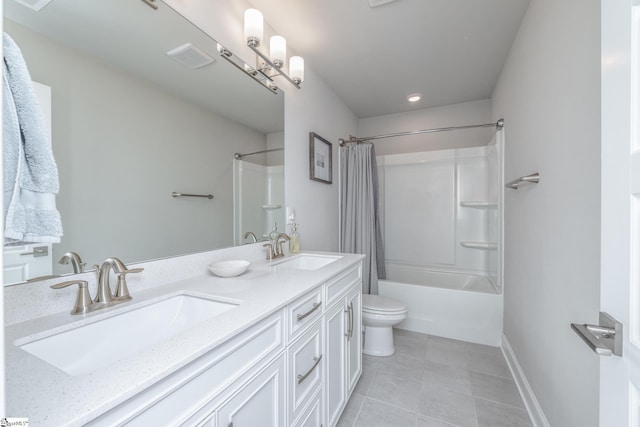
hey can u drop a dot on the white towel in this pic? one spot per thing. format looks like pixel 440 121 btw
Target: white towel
pixel 29 168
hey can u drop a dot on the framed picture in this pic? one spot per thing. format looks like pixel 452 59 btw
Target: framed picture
pixel 320 159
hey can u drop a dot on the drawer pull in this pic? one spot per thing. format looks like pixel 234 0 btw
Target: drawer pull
pixel 38 251
pixel 351 318
pixel 349 312
pixel 301 378
pixel 316 305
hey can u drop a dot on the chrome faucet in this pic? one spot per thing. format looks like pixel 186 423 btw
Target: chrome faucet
pixel 76 261
pixel 252 235
pixel 275 246
pixel 104 297
pixel 104 294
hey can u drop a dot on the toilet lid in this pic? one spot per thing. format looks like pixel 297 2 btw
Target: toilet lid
pixel 378 303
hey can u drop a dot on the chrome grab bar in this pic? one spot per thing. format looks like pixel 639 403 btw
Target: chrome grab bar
pixel 316 305
pixel 534 178
pixel 208 196
pixel 301 378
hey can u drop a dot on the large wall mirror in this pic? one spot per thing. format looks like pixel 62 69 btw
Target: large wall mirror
pixel 131 125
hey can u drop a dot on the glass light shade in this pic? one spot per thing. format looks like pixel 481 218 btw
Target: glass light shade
pixel 278 50
pixel 253 26
pixel 296 69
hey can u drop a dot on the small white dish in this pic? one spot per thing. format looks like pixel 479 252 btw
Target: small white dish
pixel 230 268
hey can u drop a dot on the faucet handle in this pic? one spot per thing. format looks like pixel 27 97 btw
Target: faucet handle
pixel 83 300
pixel 271 251
pixel 122 291
pixel 282 237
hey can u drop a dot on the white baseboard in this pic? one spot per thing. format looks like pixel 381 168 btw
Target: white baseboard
pixel 538 419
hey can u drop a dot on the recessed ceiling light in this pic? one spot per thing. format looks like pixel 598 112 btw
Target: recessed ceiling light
pixel 414 97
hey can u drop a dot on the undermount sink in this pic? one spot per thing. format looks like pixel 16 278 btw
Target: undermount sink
pixel 86 348
pixel 307 262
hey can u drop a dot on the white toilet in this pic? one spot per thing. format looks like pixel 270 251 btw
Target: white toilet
pixel 379 314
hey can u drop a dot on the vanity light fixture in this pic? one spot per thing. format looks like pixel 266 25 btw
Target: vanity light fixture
pixel 257 75
pixel 296 69
pixel 253 27
pixel 278 51
pixel 271 65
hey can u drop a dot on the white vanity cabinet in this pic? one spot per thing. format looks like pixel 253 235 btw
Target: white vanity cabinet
pixel 343 326
pixel 295 368
pixel 196 393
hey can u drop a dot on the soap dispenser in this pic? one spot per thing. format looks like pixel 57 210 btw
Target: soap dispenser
pixel 294 241
pixel 274 233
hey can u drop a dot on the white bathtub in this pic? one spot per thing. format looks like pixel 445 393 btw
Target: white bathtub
pixel 458 306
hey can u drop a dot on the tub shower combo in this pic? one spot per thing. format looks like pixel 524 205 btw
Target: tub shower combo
pixel 441 226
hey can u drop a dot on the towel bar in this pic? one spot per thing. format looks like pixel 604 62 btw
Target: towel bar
pixel 208 196
pixel 534 178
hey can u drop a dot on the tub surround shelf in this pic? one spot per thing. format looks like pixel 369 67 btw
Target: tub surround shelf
pixel 270 206
pixel 479 245
pixel 479 205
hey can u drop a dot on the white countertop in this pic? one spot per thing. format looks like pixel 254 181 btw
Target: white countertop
pixel 50 397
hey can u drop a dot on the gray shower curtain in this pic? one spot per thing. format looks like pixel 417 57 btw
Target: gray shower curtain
pixel 359 219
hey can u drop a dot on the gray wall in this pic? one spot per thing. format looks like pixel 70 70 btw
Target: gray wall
pixel 122 146
pixel 466 113
pixel 549 96
pixel 316 108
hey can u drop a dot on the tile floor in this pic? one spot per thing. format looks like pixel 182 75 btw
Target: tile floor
pixel 435 382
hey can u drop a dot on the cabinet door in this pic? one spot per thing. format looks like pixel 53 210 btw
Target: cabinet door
pixel 25 262
pixel 312 415
pixel 260 402
pixel 335 391
pixel 354 339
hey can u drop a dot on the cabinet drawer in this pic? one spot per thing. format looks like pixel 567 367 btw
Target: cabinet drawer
pixel 305 369
pixel 312 414
pixel 339 285
pixel 304 312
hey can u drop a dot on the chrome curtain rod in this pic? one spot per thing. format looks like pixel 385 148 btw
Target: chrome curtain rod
pixel 239 156
pixel 498 125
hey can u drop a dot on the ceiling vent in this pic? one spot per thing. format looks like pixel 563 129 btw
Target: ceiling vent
pixel 190 56
pixel 376 3
pixel 34 4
